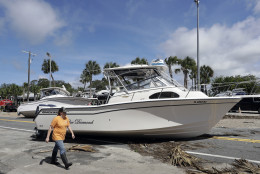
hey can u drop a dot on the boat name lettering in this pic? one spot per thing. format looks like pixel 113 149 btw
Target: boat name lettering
pixel 49 112
pixel 200 101
pixel 79 121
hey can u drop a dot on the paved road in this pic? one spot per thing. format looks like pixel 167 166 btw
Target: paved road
pixel 224 145
pixel 220 145
pixel 20 153
pixel 17 122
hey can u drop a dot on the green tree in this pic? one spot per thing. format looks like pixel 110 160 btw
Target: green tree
pixel 15 90
pixel 85 78
pixel 99 84
pixel 91 68
pixel 170 61
pixel 249 83
pixel 140 61
pixel 46 67
pixel 206 73
pixel 35 88
pixel 110 65
pixel 43 83
pixel 5 91
pixel 68 86
pixel 186 67
pixel 193 76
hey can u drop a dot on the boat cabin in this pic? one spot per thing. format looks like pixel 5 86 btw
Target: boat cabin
pixel 53 91
pixel 142 82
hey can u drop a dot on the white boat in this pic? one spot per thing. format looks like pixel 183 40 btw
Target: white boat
pixel 51 97
pixel 147 102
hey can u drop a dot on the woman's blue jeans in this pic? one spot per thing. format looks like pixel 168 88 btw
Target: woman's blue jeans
pixel 59 145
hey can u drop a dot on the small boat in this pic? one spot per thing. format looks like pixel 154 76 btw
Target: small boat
pixel 51 97
pixel 147 103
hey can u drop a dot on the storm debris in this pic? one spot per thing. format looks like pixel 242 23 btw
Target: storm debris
pixel 178 157
pixel 245 166
pixel 172 153
pixel 86 148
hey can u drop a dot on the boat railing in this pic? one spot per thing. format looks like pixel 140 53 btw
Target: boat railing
pixel 250 87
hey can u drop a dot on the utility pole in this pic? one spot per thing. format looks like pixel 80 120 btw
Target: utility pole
pixel 198 62
pixel 29 63
pixel 49 55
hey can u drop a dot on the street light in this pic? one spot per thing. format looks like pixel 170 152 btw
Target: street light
pixel 198 62
pixel 29 63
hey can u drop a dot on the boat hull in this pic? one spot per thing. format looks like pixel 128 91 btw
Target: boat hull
pixel 179 118
pixel 29 109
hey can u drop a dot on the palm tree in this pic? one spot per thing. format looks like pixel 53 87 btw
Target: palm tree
pixel 85 78
pixel 193 76
pixel 206 73
pixel 46 67
pixel 186 66
pixel 170 61
pixel 91 68
pixel 139 61
pixel 110 65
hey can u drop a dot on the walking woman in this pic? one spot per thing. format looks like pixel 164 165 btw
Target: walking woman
pixel 59 126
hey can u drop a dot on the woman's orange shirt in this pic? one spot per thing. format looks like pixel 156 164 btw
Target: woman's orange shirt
pixel 60 128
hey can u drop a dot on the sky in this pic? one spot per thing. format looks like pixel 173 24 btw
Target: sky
pixel 77 31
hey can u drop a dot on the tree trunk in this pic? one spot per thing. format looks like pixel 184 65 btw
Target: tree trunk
pixel 185 80
pixel 84 85
pixel 170 70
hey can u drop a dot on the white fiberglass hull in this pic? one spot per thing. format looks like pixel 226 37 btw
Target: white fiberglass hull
pixel 178 118
pixel 29 109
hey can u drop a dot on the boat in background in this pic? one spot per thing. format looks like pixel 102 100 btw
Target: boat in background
pixel 147 103
pixel 51 97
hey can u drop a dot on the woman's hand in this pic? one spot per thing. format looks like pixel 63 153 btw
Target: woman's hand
pixel 47 140
pixel 48 134
pixel 73 136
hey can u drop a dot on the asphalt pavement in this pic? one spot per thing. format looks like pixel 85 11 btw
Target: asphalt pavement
pixel 20 151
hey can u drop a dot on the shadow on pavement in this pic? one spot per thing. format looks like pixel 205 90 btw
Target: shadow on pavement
pixel 48 161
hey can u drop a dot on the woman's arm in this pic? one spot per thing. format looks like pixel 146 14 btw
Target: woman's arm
pixel 48 134
pixel 73 136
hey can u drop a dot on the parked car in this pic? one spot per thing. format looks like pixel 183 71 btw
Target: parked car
pixel 247 104
pixel 10 107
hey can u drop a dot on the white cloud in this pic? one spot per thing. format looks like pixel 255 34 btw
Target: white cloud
pixel 33 20
pixel 65 39
pixel 132 6
pixel 2 22
pixel 257 7
pixel 43 77
pixel 230 50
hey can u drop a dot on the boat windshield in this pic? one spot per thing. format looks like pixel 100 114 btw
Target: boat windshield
pixel 50 92
pixel 134 79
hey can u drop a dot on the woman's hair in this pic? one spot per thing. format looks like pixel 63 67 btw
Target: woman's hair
pixel 62 109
